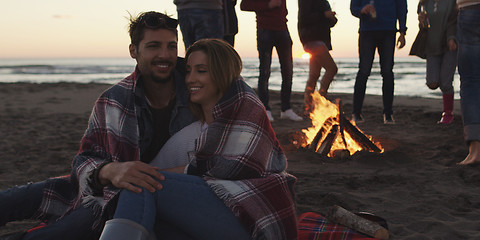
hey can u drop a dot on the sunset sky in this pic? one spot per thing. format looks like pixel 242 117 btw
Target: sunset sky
pixel 98 28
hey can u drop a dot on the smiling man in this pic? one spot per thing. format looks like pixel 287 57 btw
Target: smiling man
pixel 129 124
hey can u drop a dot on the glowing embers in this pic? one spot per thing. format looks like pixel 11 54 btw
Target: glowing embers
pixel 332 134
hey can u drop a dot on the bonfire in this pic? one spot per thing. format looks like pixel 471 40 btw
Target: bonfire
pixel 331 134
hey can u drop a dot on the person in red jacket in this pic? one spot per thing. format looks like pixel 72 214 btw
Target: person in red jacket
pixel 272 32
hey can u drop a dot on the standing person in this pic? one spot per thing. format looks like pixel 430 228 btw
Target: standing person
pixel 129 124
pixel 200 19
pixel 468 35
pixel 237 186
pixel 315 18
pixel 230 21
pixel 439 19
pixel 378 28
pixel 272 32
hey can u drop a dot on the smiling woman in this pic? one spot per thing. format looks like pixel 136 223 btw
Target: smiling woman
pixel 210 81
pixel 236 175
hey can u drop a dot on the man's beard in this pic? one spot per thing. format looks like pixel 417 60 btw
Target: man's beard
pixel 162 79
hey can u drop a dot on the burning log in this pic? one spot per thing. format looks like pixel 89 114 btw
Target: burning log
pixel 323 145
pixel 358 136
pixel 332 134
pixel 326 145
pixel 319 136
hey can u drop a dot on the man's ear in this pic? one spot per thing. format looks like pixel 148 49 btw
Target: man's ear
pixel 133 50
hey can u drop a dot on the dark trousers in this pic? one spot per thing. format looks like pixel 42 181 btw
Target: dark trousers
pixel 22 202
pixel 368 42
pixel 281 40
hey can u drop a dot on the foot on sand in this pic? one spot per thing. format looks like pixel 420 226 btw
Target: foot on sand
pixel 473 157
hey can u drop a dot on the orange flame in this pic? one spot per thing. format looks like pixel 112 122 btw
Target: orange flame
pixel 323 110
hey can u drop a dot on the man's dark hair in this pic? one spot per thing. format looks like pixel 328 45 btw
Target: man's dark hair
pixel 150 20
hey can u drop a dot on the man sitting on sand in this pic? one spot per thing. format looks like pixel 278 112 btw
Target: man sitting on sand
pixel 129 124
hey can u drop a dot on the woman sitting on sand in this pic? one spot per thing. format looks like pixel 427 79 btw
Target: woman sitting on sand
pixel 236 186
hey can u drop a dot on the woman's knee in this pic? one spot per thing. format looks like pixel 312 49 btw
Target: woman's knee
pixel 432 86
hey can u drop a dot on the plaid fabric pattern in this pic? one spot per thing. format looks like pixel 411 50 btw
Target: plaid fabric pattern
pixel 313 226
pixel 112 135
pixel 241 159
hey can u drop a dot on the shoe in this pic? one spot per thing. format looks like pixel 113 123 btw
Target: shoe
pixel 357 118
pixel 270 117
pixel 388 119
pixel 119 228
pixel 447 118
pixel 289 114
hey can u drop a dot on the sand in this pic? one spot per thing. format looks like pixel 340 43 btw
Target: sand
pixel 415 184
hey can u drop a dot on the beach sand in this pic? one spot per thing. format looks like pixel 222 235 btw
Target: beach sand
pixel 415 184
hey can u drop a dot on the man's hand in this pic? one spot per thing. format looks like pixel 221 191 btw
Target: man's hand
pixel 274 3
pixel 401 41
pixel 131 175
pixel 368 9
pixel 452 45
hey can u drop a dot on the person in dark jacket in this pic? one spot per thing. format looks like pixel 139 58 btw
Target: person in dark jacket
pixel 315 18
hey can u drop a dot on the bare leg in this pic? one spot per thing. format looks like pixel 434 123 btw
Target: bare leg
pixel 320 58
pixel 473 154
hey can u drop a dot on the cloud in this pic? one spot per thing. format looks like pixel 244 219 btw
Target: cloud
pixel 58 16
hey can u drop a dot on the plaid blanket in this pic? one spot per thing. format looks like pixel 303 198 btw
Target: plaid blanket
pixel 313 226
pixel 112 135
pixel 241 160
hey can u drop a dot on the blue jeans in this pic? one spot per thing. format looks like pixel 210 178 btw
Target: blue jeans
pixel 281 40
pixel 185 203
pixel 468 35
pixel 197 24
pixel 368 42
pixel 22 202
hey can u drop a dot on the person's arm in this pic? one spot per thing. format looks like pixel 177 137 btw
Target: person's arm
pixel 356 8
pixel 451 30
pixel 97 163
pixel 401 6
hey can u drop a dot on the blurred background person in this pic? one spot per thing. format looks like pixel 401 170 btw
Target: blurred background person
pixel 439 21
pixel 378 30
pixel 315 18
pixel 468 36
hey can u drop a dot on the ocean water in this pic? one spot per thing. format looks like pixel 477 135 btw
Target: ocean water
pixel 409 74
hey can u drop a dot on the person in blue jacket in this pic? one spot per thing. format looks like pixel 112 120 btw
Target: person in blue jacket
pixel 378 29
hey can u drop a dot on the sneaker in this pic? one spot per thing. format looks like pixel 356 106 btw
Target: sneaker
pixel 269 115
pixel 357 118
pixel 289 114
pixel 388 119
pixel 447 118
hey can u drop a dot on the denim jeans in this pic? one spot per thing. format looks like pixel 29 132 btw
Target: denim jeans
pixel 441 69
pixel 281 40
pixel 186 203
pixel 22 202
pixel 468 35
pixel 368 42
pixel 197 24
